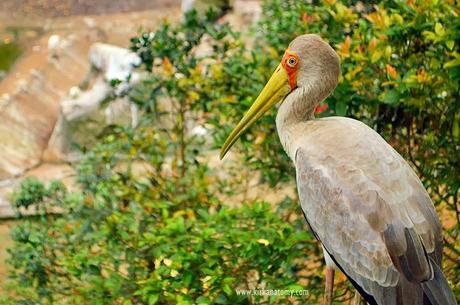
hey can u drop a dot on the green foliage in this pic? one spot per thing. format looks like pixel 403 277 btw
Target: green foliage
pixel 149 225
pixel 9 52
pixel 137 235
pixel 211 83
pixel 32 192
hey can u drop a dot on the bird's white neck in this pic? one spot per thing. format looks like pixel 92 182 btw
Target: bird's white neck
pixel 297 108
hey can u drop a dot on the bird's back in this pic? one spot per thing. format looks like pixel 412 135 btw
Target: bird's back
pixel 368 208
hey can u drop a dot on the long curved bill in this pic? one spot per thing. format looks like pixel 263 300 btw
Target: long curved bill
pixel 274 91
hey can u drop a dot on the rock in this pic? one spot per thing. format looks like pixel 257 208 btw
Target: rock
pixel 74 92
pixel 33 128
pixel 53 42
pixel 86 102
pixel 120 111
pixel 58 147
pixel 249 10
pixel 5 99
pixel 90 22
pixel 27 122
pixel 108 62
pixel 187 5
pixel 114 62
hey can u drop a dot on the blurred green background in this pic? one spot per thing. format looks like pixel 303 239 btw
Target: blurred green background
pixel 157 222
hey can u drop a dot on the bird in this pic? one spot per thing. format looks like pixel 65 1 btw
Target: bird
pixel 362 201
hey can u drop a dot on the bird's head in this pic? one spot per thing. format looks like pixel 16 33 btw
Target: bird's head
pixel 309 65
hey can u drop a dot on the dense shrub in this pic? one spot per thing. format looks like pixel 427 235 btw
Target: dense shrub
pixel 139 236
pixel 148 226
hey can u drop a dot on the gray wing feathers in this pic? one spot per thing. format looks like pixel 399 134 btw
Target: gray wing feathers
pixel 437 289
pixel 407 253
pixel 368 208
pixel 332 208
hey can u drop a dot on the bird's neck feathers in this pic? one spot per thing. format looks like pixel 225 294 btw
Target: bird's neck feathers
pixel 297 108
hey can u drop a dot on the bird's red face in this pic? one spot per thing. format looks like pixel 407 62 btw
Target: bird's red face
pixel 309 64
pixel 280 84
pixel 290 63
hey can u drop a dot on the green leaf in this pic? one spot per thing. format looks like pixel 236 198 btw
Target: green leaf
pixel 227 289
pixel 341 108
pixel 153 299
pixel 295 287
pixel 203 301
pixel 439 29
pixel 376 56
pixel 181 301
pixel 453 63
pixel 455 126
pixel 221 299
pixel 391 97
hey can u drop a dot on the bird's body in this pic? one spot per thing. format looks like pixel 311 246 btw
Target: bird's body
pixel 361 199
pixel 352 187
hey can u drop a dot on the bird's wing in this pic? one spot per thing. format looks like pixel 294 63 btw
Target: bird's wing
pixel 365 204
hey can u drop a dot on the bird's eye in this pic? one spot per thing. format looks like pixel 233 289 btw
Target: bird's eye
pixel 292 62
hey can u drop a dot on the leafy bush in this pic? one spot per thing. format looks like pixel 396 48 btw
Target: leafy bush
pixel 32 192
pixel 219 86
pixel 149 226
pixel 401 75
pixel 137 235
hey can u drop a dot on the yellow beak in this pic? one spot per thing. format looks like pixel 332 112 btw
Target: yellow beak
pixel 274 91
